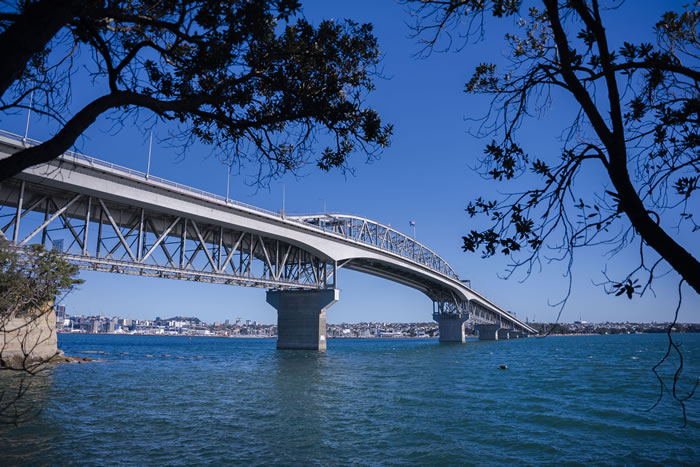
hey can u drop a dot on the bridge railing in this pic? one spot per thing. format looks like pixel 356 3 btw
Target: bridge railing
pixel 357 228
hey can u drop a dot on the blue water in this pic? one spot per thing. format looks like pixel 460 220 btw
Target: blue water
pixel 574 400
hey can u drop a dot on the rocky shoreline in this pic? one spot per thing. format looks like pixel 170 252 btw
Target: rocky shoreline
pixel 72 359
pixel 18 362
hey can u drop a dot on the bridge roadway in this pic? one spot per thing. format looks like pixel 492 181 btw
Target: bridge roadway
pixel 105 217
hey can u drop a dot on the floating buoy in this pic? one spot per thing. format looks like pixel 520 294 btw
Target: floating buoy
pixel 503 367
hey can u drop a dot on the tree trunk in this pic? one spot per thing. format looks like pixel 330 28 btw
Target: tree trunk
pixel 62 141
pixel 681 260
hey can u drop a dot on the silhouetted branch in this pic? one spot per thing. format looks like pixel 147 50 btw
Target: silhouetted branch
pixel 674 347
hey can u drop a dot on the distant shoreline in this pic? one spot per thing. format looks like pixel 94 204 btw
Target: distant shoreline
pixel 160 335
pixel 359 338
pixel 243 337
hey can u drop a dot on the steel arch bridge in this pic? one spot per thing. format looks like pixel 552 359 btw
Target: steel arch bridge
pixel 105 217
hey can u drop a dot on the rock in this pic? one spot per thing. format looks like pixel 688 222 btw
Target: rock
pixel 71 359
pixel 35 332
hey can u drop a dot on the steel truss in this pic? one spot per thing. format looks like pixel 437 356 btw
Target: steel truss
pixel 98 234
pixel 447 304
pixel 382 236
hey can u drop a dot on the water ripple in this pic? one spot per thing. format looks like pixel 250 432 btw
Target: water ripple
pixel 220 401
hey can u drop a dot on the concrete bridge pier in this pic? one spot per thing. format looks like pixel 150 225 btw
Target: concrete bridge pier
pixel 488 332
pixel 451 327
pixel 504 333
pixel 301 317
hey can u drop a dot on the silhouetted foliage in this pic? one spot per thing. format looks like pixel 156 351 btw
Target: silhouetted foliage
pixel 242 76
pixel 30 278
pixel 634 108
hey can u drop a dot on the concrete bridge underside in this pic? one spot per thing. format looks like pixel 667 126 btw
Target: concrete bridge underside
pixel 109 218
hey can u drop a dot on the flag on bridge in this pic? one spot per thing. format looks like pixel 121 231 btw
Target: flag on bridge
pixel 412 223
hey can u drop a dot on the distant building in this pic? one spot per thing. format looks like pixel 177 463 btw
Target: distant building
pixel 63 320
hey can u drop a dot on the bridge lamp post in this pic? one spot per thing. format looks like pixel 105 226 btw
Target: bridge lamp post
pixel 29 113
pixel 148 166
pixel 284 199
pixel 228 179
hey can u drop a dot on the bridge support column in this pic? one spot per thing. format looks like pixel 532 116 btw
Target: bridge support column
pixel 451 327
pixel 488 332
pixel 301 317
pixel 504 333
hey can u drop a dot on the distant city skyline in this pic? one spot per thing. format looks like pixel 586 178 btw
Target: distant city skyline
pixel 242 320
pixel 424 177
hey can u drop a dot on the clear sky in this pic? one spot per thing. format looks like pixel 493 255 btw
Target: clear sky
pixel 424 176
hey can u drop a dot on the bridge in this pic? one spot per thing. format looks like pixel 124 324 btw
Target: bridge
pixel 105 217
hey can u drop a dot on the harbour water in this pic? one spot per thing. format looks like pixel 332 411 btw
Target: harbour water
pixel 207 400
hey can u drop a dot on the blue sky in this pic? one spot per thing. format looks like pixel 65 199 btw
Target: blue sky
pixel 424 176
